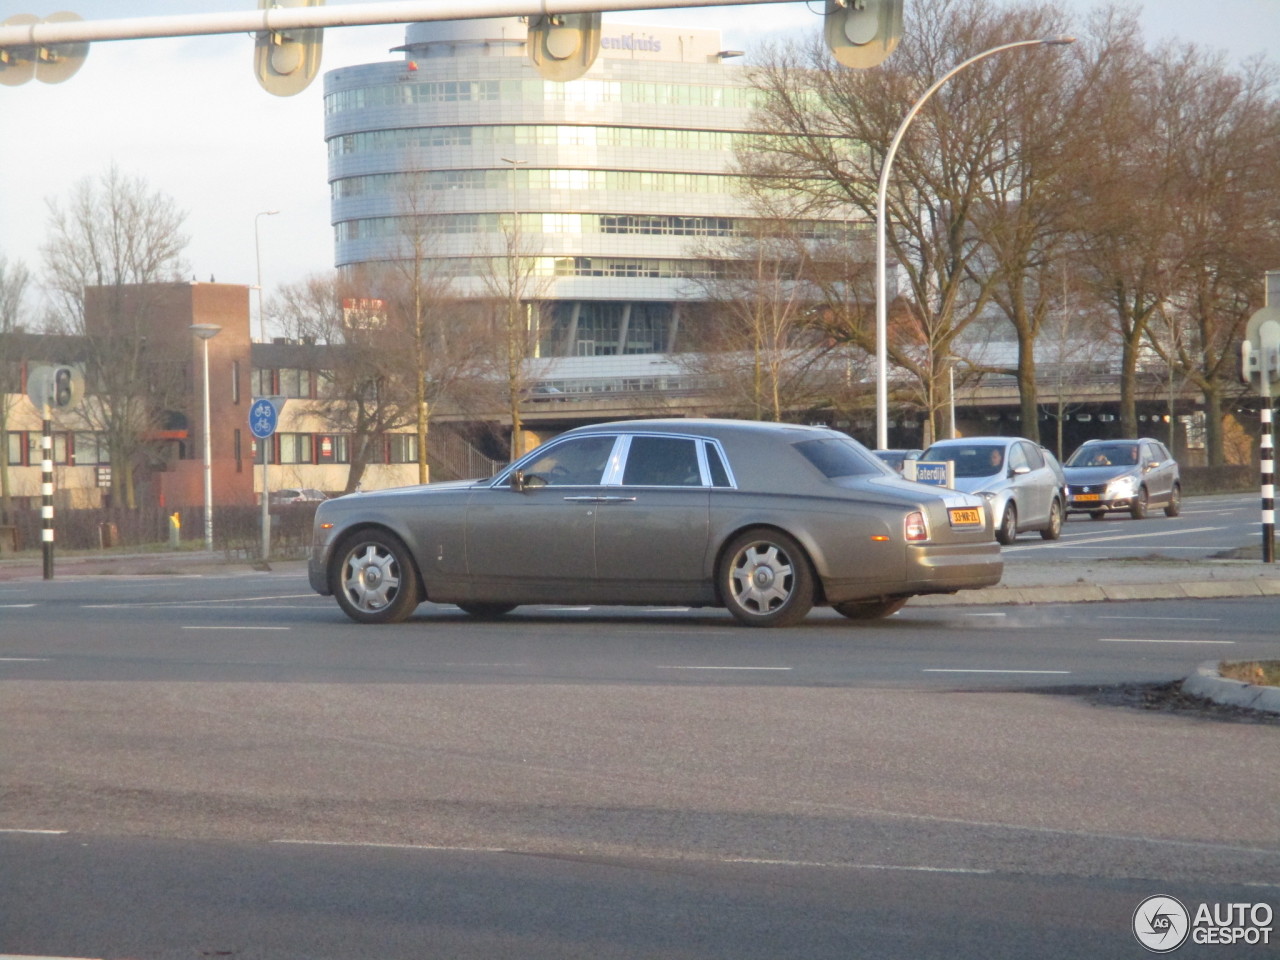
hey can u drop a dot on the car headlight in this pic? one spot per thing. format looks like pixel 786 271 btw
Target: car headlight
pixel 1122 487
pixel 986 495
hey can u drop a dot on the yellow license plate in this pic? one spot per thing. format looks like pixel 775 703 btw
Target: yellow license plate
pixel 1087 496
pixel 964 516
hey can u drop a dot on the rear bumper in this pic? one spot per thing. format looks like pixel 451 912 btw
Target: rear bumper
pixel 931 568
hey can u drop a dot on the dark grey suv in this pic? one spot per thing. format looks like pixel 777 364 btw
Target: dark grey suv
pixel 1122 475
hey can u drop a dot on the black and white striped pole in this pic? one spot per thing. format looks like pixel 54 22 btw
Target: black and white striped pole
pixel 1268 462
pixel 1260 356
pixel 51 388
pixel 46 491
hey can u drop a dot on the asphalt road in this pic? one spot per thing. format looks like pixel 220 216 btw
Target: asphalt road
pixel 226 766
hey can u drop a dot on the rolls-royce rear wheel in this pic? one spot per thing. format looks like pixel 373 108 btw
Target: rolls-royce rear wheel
pixel 765 579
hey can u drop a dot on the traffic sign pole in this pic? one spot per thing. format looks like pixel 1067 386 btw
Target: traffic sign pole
pixel 264 417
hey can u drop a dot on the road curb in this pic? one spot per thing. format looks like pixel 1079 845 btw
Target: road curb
pixel 1094 593
pixel 1207 682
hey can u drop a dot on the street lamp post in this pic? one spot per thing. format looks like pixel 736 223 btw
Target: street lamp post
pixel 515 358
pixel 206 331
pixel 882 307
pixel 257 253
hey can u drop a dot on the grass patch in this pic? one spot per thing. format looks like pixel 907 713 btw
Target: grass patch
pixel 1263 673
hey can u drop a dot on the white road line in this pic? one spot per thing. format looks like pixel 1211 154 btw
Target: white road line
pixel 949 670
pixel 237 628
pixel 678 667
pixel 389 846
pixel 193 603
pixel 51 833
pixel 1122 536
pixel 758 861
pixel 24 659
pixel 1174 619
pixel 24 956
pixel 1227 643
pixel 15 606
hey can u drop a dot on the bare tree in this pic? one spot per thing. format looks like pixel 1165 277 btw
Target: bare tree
pixel 513 283
pixel 14 281
pixel 363 363
pixel 113 241
pixel 1225 128
pixel 764 347
pixel 833 130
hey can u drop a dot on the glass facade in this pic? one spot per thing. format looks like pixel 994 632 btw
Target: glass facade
pixel 618 180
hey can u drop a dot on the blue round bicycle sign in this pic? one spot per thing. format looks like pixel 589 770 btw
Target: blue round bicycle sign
pixel 263 418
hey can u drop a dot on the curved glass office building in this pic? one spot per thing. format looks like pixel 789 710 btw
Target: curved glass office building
pixel 615 182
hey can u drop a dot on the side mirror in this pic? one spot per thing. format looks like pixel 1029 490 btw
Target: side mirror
pixel 1019 471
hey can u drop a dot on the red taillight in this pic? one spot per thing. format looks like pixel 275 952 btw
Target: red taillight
pixel 915 528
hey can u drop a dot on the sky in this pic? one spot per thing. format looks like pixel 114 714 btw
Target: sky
pixel 188 117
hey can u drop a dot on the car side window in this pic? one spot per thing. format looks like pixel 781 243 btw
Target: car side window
pixel 662 462
pixel 1018 456
pixel 573 463
pixel 719 473
pixel 1031 453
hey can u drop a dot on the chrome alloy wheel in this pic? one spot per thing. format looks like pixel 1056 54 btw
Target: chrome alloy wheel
pixel 766 579
pixel 762 577
pixel 375 581
pixel 371 578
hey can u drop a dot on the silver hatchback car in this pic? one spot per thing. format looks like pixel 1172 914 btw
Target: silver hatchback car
pixel 1020 480
pixel 1123 475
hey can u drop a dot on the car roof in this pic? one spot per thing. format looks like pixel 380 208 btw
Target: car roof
pixel 1121 440
pixel 960 441
pixel 707 427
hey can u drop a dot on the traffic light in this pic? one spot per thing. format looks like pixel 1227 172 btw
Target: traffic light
pixel 51 63
pixel 287 61
pixel 564 45
pixel 862 33
pixel 67 387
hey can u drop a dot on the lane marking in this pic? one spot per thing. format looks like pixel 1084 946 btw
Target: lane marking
pixel 50 833
pixel 195 603
pixel 1122 536
pixel 951 670
pixel 1130 640
pixel 760 861
pixel 25 659
pixel 662 666
pixel 15 606
pixel 236 628
pixel 1174 619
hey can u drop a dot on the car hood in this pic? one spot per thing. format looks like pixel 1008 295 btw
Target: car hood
pixel 973 484
pixel 1093 475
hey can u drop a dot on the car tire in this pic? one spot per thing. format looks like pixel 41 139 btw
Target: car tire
pixel 374 579
pixel 1007 532
pixel 1174 506
pixel 870 609
pixel 765 579
pixel 1138 509
pixel 486 611
pixel 1054 530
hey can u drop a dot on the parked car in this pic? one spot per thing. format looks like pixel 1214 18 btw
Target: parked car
pixel 1123 475
pixel 1021 482
pixel 764 519
pixel 896 458
pixel 295 495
